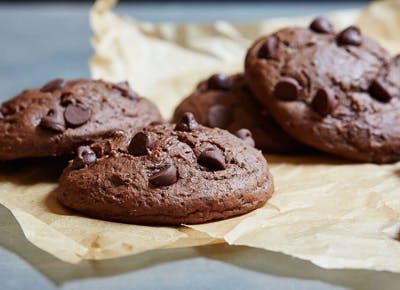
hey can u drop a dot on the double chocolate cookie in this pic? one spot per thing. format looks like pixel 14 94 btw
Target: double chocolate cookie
pixel 226 102
pixel 167 175
pixel 59 117
pixel 338 92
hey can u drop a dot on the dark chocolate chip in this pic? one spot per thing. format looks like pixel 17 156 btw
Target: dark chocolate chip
pixel 269 48
pixel 246 136
pixel 187 123
pixel 219 82
pixel 379 91
pixel 126 90
pixel 350 36
pixel 85 156
pixel 76 115
pixel 321 25
pixel 54 121
pixel 141 144
pixel 219 116
pixel 324 102
pixel 52 85
pixel 167 175
pixel 287 89
pixel 212 158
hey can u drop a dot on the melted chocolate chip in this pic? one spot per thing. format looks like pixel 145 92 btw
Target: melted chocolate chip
pixel 212 158
pixel 324 102
pixel 187 123
pixel 350 36
pixel 287 89
pixel 76 115
pixel 219 116
pixel 167 175
pixel 141 144
pixel 53 121
pixel 219 82
pixel 321 25
pixel 379 91
pixel 85 156
pixel 246 136
pixel 269 48
pixel 126 90
pixel 52 86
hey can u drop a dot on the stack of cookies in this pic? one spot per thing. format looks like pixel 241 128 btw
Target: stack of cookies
pixel 310 87
pixel 301 88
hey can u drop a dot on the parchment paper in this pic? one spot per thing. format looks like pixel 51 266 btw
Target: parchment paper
pixel 333 213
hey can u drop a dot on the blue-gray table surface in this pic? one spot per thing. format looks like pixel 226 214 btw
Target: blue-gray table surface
pixel 40 42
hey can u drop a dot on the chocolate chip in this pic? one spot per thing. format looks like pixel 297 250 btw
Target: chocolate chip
pixel 1 116
pixel 321 25
pixel 350 36
pixel 287 89
pixel 167 175
pixel 53 121
pixel 52 85
pixel 378 91
pixel 219 82
pixel 76 115
pixel 85 156
pixel 140 144
pixel 212 158
pixel 219 116
pixel 126 90
pixel 324 102
pixel 246 136
pixel 187 123
pixel 269 48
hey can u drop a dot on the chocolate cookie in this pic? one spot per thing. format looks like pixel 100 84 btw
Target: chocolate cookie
pixel 338 92
pixel 167 175
pixel 59 117
pixel 226 102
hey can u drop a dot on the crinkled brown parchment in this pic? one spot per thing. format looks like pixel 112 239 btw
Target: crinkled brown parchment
pixel 333 213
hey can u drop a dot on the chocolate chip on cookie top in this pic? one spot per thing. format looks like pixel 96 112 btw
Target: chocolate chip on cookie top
pixel 141 144
pixel 335 92
pixel 54 120
pixel 321 25
pixel 246 136
pixel 182 177
pixel 85 156
pixel 219 82
pixel 187 123
pixel 269 48
pixel 350 36
pixel 60 116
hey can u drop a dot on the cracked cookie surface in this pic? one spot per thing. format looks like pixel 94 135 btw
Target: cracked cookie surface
pixel 62 115
pixel 337 92
pixel 167 175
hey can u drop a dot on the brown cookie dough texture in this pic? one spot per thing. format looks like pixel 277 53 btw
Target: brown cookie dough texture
pixel 338 92
pixel 167 175
pixel 226 102
pixel 57 118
